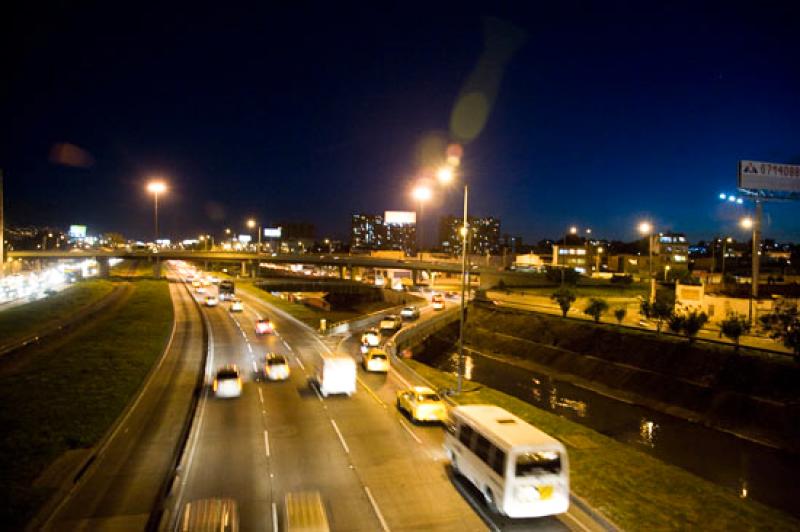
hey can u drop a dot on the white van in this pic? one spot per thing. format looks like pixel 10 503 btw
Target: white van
pixel 520 470
pixel 336 373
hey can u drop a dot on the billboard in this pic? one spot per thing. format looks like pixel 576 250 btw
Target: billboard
pixel 77 231
pixel 757 175
pixel 272 232
pixel 244 239
pixel 399 217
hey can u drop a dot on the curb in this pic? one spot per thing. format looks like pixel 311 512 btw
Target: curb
pixel 159 512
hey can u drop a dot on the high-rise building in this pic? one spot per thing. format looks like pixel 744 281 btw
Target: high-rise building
pixel 484 237
pixel 368 231
pixel 394 230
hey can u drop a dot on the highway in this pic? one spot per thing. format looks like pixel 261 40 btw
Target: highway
pixel 375 470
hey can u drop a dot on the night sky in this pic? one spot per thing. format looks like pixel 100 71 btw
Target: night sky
pixel 601 113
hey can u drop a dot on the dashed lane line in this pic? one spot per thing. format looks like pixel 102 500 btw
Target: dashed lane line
pixel 341 438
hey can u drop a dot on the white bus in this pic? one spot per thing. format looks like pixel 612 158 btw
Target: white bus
pixel 520 470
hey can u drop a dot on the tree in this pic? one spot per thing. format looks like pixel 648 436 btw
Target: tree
pixel 620 314
pixel 784 324
pixel 676 323
pixel 693 322
pixel 596 308
pixel 663 308
pixel 733 327
pixel 570 276
pixel 565 298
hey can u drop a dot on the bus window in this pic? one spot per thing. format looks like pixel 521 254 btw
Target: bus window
pixel 497 461
pixel 531 464
pixel 482 446
pixel 466 435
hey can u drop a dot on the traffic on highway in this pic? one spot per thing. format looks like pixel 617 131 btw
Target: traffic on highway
pixel 287 413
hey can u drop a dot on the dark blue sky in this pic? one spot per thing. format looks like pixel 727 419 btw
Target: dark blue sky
pixel 608 113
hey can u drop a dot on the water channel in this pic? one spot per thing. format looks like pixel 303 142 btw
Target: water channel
pixel 766 474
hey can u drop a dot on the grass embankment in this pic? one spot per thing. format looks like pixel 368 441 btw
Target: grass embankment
pixel 633 489
pixel 65 396
pixel 311 315
pixel 23 320
pixel 135 268
pixel 605 291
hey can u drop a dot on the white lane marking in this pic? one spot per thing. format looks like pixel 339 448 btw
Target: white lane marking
pixel 255 370
pixel 396 373
pixel 260 395
pixel 274 518
pixel 408 429
pixel 341 438
pixel 300 363
pixel 286 344
pixel 249 347
pixel 581 525
pixel 314 387
pixel 266 443
pixel 371 393
pixel 377 510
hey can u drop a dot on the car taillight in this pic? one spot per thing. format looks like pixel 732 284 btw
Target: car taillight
pixel 239 382
pixel 215 385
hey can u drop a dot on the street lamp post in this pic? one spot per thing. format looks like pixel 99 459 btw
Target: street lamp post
pixel 755 225
pixel 251 224
pixel 155 188
pixel 445 175
pixel 646 228
pixel 421 194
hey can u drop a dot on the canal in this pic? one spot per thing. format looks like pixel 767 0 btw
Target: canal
pixel 761 472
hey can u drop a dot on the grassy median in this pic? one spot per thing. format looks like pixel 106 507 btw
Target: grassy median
pixel 631 488
pixel 21 321
pixel 65 395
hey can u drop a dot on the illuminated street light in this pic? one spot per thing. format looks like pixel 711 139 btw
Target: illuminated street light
pixel 573 231
pixel 421 193
pixel 251 223
pixel 156 187
pixel 646 228
pixel 445 175
pixel 746 223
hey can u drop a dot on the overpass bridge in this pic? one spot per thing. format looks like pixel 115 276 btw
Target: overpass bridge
pixel 250 262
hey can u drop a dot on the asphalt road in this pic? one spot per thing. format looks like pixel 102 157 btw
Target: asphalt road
pixel 119 487
pixel 375 470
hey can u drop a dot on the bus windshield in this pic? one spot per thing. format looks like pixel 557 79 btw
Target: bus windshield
pixel 532 464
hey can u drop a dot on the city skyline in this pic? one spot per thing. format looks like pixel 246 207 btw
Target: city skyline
pixel 582 133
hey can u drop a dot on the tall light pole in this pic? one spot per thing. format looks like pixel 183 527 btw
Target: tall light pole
pixel 646 228
pixel 446 175
pixel 155 188
pixel 421 193
pixel 251 224
pixel 749 223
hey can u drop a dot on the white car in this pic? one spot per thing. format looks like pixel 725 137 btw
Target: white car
pixel 276 367
pixel 371 338
pixel 211 301
pixel 237 305
pixel 228 382
pixel 422 404
pixel 409 313
pixel 391 322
